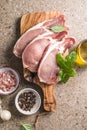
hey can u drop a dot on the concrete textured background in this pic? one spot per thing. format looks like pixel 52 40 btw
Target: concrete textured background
pixel 71 98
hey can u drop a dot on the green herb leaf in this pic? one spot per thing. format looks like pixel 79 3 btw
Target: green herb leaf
pixel 60 75
pixel 58 28
pixel 26 127
pixel 66 64
pixel 71 58
pixel 65 78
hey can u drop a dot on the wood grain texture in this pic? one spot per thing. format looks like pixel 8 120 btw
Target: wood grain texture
pixel 49 102
pixel 28 21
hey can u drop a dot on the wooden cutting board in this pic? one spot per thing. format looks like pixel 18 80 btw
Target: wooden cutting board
pixel 31 19
pixel 28 21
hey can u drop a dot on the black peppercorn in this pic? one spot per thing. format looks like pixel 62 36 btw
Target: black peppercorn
pixel 27 101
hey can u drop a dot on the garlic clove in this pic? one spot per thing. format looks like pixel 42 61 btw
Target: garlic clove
pixel 5 115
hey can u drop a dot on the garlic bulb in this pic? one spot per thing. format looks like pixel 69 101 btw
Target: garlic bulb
pixel 5 115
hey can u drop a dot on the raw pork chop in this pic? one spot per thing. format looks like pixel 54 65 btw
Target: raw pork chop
pixel 33 32
pixel 48 69
pixel 33 53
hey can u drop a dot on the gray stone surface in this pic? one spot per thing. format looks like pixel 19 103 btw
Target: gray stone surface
pixel 71 98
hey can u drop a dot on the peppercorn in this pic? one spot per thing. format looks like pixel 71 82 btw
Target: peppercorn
pixel 27 101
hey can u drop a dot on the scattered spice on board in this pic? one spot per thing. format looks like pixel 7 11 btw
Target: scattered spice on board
pixel 27 101
pixel 7 80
